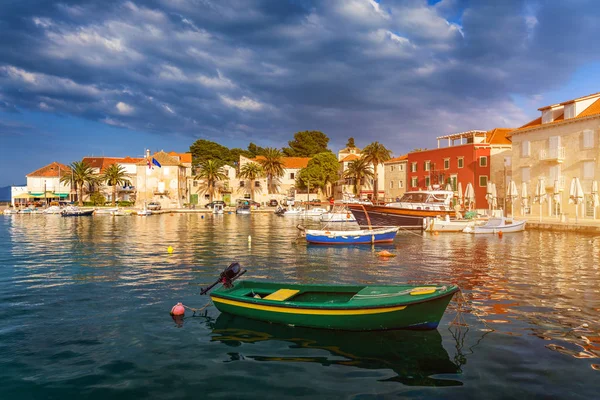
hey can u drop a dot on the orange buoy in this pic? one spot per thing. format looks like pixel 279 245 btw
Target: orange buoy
pixel 435 233
pixel 385 253
pixel 499 233
pixel 177 310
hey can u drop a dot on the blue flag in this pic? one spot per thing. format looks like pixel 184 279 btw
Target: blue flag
pixel 156 162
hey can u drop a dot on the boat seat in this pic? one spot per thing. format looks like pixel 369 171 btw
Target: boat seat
pixel 281 294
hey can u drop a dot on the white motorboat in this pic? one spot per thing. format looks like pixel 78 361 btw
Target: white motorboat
pixel 9 211
pixel 497 225
pixel 144 212
pixel 301 212
pixel 445 224
pixel 106 210
pixel 337 217
pixel 119 212
pixel 218 208
pixel 425 200
pixel 52 210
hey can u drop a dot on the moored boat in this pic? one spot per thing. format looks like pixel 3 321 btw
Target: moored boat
pixel 343 307
pixel 73 211
pixel 358 236
pixel 446 224
pixel 409 212
pixel 338 216
pixel 498 224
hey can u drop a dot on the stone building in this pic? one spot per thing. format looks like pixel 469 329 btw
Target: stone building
pixel 395 177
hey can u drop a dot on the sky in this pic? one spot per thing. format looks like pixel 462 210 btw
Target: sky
pixel 81 78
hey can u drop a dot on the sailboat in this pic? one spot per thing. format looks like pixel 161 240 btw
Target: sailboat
pixel 144 212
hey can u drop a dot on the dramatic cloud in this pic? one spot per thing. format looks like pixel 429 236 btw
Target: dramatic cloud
pixel 401 72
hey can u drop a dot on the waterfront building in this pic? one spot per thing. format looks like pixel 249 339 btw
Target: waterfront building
pixel 559 145
pixel 44 185
pixel 99 165
pixel 475 157
pixel 345 187
pixel 395 177
pixel 165 184
pixel 286 184
pixel 198 194
pixel 18 195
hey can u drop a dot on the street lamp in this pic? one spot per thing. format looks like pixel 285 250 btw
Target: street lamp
pixel 45 201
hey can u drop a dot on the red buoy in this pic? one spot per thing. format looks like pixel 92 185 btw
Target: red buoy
pixel 177 310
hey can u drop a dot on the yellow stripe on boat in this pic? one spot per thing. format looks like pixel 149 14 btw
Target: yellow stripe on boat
pixel 308 311
pixel 281 294
pixel 422 290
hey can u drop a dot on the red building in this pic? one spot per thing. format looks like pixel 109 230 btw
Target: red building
pixel 474 157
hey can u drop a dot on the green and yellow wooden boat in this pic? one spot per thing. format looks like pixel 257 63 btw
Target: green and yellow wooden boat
pixel 342 307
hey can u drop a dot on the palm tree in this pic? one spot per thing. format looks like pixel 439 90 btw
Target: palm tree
pixel 376 153
pixel 357 170
pixel 272 164
pixel 211 172
pixel 114 175
pixel 81 174
pixel 252 172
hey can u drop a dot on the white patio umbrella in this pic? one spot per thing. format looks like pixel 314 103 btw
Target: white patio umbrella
pixel 470 195
pixel 595 199
pixel 488 195
pixel 449 187
pixel 556 196
pixel 460 195
pixel 576 195
pixel 512 193
pixel 494 197
pixel 524 198
pixel 540 194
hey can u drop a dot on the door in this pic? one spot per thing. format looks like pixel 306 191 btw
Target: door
pixel 194 199
pixel 227 198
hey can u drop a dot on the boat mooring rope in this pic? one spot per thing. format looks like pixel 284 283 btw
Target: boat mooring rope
pixel 197 310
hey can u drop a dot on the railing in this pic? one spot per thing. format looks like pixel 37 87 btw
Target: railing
pixel 549 182
pixel 163 192
pixel 126 188
pixel 553 154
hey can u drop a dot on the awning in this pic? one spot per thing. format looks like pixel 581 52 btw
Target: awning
pixel 23 196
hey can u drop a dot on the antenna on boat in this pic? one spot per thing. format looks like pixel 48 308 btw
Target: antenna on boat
pixel 227 277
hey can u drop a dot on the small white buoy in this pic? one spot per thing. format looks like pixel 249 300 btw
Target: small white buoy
pixel 249 239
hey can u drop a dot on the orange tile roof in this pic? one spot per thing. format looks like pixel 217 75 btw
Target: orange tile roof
pixel 592 110
pixel 51 171
pixel 163 159
pixel 100 162
pixel 290 162
pixel 498 136
pixel 131 160
pixel 350 157
pixel 183 157
pixel 394 160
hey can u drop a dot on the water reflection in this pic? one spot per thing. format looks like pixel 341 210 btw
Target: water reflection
pixel 414 357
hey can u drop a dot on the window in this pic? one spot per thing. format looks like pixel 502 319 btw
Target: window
pixel 195 183
pixel 588 139
pixel 483 161
pixel 547 116
pixel 570 111
pixel 391 168
pixel 427 181
pixel 446 163
pixel 256 183
pixel 242 183
pixel 588 169
pixel 413 182
pixel 165 171
pixel 400 184
pixel 554 173
pixel 391 184
pixel 525 174
pixel 427 165
pixel 483 180
pixel 525 148
pixel 292 175
pixel 401 167
pixel 413 167
pixel 461 162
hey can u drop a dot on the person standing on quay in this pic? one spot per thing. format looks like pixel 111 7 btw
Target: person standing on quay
pixel 331 203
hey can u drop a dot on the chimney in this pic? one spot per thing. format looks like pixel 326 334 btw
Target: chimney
pixel 147 153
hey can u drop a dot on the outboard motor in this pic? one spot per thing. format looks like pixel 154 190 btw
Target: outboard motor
pixel 227 277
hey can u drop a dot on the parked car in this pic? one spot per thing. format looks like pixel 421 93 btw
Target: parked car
pixel 273 203
pixel 212 203
pixel 153 205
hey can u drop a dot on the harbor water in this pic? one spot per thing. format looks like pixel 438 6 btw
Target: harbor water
pixel 84 313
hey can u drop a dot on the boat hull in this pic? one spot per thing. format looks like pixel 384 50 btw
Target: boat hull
pixel 416 313
pixel 390 216
pixel 508 228
pixel 83 213
pixel 351 237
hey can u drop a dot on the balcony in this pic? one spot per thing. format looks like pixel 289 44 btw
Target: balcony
pixel 126 189
pixel 556 154
pixel 161 192
pixel 549 183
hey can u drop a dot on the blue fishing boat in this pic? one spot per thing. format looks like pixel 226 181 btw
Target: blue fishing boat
pixel 359 236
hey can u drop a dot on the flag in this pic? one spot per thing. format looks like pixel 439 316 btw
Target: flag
pixel 149 164
pixel 155 162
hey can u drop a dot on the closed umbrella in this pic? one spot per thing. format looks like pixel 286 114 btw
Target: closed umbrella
pixel 512 193
pixel 470 195
pixel 556 196
pixel 449 187
pixel 488 195
pixel 524 197
pixel 460 195
pixel 576 195
pixel 494 197
pixel 540 194
pixel 595 199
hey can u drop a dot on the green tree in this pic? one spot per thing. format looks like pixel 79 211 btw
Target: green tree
pixel 252 172
pixel 272 164
pixel 81 174
pixel 321 170
pixel 235 154
pixel 255 150
pixel 376 153
pixel 307 144
pixel 211 172
pixel 203 150
pixel 114 175
pixel 350 143
pixel 97 199
pixel 358 170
